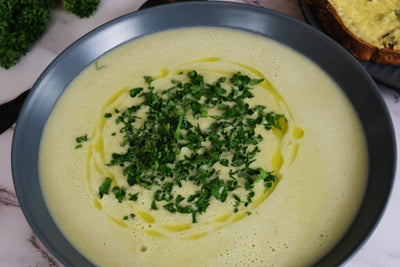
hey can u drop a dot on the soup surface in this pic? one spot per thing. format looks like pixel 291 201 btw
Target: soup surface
pixel 315 155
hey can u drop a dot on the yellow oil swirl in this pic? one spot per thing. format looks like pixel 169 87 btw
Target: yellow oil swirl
pixel 147 217
pixel 178 227
pixel 96 157
pixel 153 233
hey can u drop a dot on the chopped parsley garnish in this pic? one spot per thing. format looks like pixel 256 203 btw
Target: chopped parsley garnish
pixel 148 79
pixel 133 197
pixel 81 139
pixel 119 192
pixel 154 205
pixel 126 217
pixel 134 92
pixel 153 158
pixel 105 186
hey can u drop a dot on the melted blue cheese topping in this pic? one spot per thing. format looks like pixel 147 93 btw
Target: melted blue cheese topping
pixel 375 21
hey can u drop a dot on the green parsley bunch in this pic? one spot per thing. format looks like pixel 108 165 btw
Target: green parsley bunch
pixel 23 22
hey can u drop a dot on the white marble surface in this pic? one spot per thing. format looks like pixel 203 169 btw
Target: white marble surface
pixel 19 246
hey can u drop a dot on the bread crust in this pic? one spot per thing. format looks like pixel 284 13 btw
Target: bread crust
pixel 334 27
pixel 386 56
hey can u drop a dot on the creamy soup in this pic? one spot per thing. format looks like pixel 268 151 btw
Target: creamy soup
pixel 317 156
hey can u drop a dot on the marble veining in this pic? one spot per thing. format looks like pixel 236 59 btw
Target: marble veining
pixel 46 256
pixel 8 198
pixel 20 247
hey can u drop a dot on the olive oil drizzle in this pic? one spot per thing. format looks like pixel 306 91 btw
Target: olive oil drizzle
pixel 97 145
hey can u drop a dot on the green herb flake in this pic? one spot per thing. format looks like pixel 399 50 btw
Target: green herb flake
pixel 105 186
pixel 119 193
pixel 154 205
pixel 133 197
pixel 170 207
pixel 135 91
pixel 148 79
pixel 82 138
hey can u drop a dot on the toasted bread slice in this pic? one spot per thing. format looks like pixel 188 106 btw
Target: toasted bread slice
pixel 369 29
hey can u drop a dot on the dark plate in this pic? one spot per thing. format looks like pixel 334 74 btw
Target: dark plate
pixel 388 75
pixel 338 63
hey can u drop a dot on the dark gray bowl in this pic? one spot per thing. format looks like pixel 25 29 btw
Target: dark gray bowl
pixel 336 61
